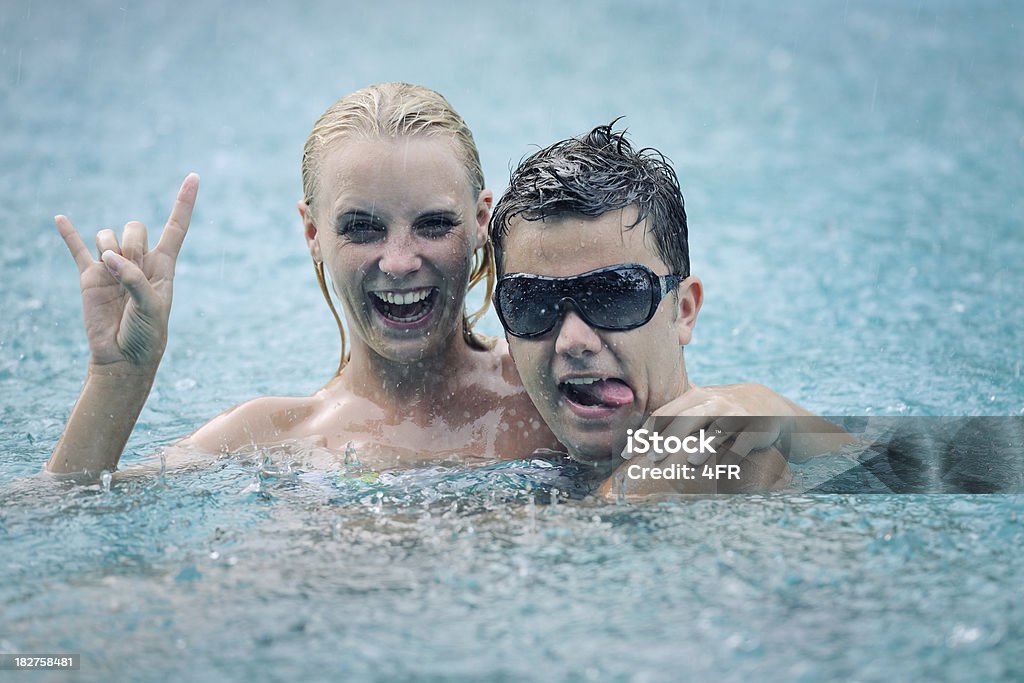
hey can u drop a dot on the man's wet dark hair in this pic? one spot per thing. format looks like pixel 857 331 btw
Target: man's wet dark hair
pixel 590 176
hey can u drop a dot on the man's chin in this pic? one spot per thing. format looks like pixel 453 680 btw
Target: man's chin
pixel 593 446
pixel 588 440
pixel 596 453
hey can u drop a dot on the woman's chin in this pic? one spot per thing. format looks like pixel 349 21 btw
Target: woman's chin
pixel 412 341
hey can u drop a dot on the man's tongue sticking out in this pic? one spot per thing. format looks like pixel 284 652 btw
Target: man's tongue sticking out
pixel 611 393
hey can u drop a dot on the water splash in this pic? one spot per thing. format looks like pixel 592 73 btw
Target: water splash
pixel 351 459
pixel 161 479
pixel 531 516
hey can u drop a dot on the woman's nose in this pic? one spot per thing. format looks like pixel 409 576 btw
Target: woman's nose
pixel 400 257
pixel 575 337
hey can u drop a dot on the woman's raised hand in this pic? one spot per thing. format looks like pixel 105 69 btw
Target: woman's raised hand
pixel 126 295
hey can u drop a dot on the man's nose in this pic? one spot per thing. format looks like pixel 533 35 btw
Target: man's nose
pixel 575 337
pixel 400 257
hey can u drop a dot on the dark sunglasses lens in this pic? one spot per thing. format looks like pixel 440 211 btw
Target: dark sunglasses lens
pixel 616 299
pixel 527 305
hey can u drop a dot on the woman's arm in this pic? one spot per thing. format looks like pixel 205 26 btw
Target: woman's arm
pixel 809 435
pixel 752 417
pixel 754 429
pixel 126 301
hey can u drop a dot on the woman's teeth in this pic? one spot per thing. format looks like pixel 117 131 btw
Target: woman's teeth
pixel 404 299
pixel 404 307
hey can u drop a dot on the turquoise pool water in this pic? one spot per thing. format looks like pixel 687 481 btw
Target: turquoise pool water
pixel 853 174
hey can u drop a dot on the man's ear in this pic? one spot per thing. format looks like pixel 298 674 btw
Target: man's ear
pixel 483 215
pixel 310 230
pixel 691 296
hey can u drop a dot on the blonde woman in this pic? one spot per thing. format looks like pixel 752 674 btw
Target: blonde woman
pixel 395 216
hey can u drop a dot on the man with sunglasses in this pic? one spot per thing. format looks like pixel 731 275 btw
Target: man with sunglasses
pixel 597 301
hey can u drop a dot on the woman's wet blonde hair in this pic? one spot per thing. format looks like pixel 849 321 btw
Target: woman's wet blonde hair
pixel 390 110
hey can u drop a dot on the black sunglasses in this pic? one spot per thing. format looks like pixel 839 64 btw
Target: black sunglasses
pixel 621 297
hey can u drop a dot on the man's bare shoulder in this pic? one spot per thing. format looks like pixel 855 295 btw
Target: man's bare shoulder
pixel 258 422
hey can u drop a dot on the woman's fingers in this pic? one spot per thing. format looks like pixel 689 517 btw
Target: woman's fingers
pixel 134 280
pixel 764 470
pixel 133 242
pixel 757 433
pixel 80 252
pixel 106 240
pixel 177 224
pixel 134 239
pixel 680 426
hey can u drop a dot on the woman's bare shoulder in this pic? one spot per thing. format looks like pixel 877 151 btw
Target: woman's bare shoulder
pixel 523 430
pixel 494 367
pixel 260 421
pixel 509 373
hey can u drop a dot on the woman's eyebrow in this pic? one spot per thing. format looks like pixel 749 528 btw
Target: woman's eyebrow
pixel 450 214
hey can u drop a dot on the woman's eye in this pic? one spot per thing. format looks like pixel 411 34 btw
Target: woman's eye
pixel 436 227
pixel 362 231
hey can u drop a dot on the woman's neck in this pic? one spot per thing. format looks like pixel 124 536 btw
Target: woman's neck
pixel 420 386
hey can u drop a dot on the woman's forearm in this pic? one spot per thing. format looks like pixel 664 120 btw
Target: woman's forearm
pixel 813 435
pixel 100 423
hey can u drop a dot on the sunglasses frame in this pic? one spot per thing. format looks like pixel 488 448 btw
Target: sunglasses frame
pixel 660 286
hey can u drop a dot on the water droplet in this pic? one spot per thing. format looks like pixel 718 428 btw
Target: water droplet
pixel 185 384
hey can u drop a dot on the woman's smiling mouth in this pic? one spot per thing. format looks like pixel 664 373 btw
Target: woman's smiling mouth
pixel 404 309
